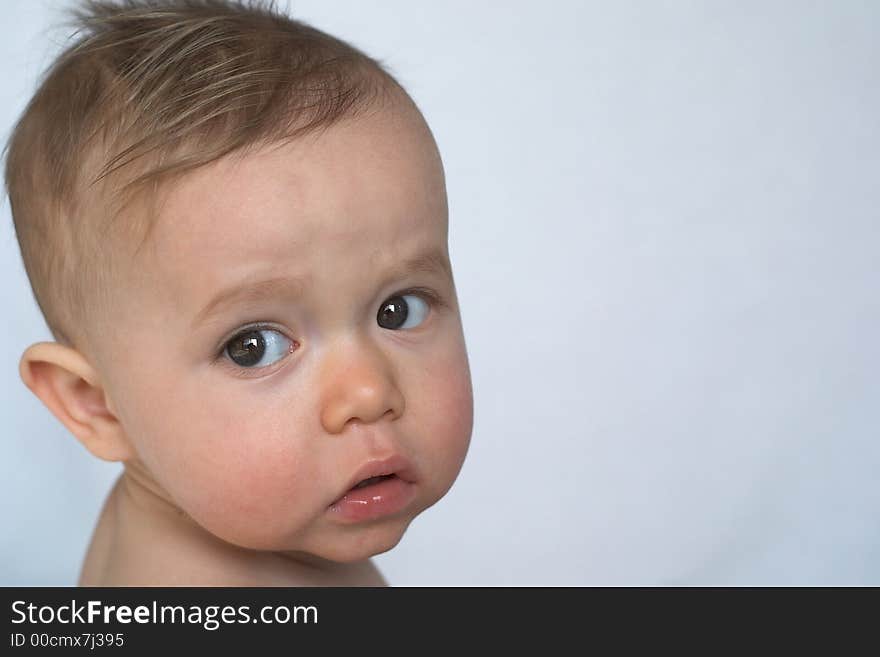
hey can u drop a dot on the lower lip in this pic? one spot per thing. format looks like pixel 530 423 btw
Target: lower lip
pixel 375 501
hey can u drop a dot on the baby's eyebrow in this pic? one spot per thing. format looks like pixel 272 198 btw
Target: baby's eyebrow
pixel 260 290
pixel 433 261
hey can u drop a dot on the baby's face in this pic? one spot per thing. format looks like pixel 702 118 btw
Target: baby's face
pixel 290 328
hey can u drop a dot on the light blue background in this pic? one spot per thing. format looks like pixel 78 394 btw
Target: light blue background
pixel 664 226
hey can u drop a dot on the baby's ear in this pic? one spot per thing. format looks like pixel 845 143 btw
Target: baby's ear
pixel 70 387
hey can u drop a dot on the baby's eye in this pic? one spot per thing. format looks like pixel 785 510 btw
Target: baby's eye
pixel 398 310
pixel 257 347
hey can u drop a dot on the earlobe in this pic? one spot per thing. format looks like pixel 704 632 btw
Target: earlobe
pixel 70 387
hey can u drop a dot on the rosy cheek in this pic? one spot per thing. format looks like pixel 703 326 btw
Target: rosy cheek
pixel 252 458
pixel 449 409
pixel 252 496
pixel 460 413
pixel 219 459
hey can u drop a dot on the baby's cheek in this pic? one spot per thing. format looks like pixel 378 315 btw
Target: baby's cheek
pixel 245 476
pixel 448 412
pixel 256 501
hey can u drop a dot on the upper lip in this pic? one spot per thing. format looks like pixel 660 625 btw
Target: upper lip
pixel 394 464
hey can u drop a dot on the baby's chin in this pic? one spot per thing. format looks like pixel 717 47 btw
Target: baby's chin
pixel 334 544
pixel 344 553
pixel 357 543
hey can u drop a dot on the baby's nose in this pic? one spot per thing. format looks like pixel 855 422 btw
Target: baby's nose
pixel 361 389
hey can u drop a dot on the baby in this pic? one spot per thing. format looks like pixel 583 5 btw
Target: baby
pixel 236 227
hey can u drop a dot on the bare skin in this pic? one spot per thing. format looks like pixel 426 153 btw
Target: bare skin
pixel 141 539
pixel 233 469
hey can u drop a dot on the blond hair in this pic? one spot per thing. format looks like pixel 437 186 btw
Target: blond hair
pixel 149 90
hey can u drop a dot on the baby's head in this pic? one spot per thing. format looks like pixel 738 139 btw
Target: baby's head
pixel 235 226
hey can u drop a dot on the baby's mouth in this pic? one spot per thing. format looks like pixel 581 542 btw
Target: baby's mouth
pixel 376 479
pixel 372 480
pixel 382 489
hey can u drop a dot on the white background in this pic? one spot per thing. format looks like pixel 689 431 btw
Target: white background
pixel 664 227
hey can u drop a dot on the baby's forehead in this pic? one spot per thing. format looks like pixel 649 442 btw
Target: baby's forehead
pixel 257 227
pixel 356 182
pixel 335 277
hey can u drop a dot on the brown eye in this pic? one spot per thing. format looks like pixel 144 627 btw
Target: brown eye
pixel 395 312
pixel 257 347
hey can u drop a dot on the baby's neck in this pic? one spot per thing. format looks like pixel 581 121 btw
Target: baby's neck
pixel 142 539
